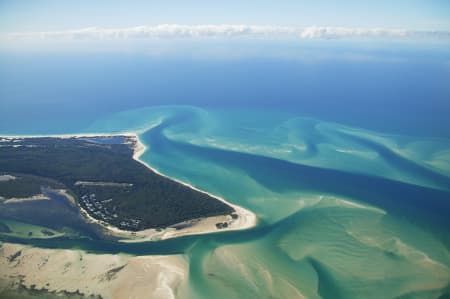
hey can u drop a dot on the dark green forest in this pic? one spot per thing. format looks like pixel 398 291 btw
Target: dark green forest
pixel 107 182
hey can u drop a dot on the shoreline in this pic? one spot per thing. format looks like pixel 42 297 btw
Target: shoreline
pixel 205 225
pixel 250 219
pixel 77 135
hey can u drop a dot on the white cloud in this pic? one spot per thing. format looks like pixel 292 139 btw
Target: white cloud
pixel 315 32
pixel 161 31
pixel 167 31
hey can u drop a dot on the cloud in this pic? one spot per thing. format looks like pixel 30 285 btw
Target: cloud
pixel 175 31
pixel 162 31
pixel 315 32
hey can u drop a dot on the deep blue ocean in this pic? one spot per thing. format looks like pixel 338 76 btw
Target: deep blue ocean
pixel 42 93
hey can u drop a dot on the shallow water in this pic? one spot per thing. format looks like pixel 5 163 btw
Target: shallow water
pixel 343 212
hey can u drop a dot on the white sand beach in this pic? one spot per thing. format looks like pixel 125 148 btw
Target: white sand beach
pixel 245 220
pixel 24 199
pixel 107 275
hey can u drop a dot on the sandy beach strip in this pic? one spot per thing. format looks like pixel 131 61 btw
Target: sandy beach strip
pixel 76 271
pixel 246 219
pixel 24 199
pixel 66 136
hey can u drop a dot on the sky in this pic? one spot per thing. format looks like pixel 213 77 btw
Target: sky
pixel 142 25
pixel 200 29
pixel 48 15
pixel 222 28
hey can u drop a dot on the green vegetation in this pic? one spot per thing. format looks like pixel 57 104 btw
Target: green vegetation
pixel 138 199
pixel 26 185
pixel 27 231
pixel 21 292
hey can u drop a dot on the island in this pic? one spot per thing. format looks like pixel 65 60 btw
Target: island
pixel 103 177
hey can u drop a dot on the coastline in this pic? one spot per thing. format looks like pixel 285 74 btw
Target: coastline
pixel 245 220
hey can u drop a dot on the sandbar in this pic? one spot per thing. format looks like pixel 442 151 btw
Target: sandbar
pixel 78 272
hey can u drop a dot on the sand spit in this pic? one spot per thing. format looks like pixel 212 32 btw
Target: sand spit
pixel 105 275
pixel 24 199
pixel 7 177
pixel 245 218
pixel 18 138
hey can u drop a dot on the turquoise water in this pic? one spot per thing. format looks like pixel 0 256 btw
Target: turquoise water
pixel 343 212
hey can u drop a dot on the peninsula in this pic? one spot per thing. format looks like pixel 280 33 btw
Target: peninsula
pixel 102 176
